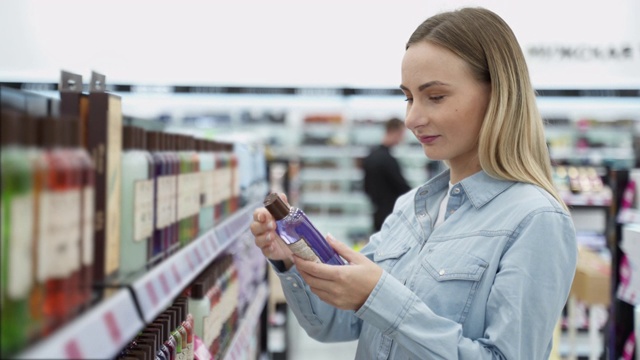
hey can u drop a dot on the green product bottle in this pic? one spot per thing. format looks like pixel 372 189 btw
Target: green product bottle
pixel 16 249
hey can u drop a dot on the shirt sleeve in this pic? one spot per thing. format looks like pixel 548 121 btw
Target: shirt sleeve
pixel 320 320
pixel 527 297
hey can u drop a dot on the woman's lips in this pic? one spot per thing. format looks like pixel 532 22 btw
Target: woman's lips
pixel 428 139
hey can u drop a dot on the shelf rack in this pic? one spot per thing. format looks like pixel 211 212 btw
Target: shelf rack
pixel 110 325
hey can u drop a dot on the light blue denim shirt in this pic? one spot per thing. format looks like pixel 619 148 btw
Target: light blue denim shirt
pixel 490 282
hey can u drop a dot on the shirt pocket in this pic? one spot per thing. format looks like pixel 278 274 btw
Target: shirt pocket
pixel 450 282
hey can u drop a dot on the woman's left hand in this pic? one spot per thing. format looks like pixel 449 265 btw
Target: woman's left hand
pixel 345 287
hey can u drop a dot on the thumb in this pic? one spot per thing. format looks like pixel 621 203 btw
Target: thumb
pixel 343 250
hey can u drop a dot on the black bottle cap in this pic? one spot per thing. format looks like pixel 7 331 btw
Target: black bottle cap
pixel 197 290
pixel 10 132
pixel 278 208
pixel 128 138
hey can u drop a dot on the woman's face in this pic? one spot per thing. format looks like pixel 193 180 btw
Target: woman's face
pixel 445 105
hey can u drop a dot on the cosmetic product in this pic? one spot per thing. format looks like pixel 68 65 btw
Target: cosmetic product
pixel 136 216
pixel 59 223
pixel 17 237
pixel 37 159
pixel 104 142
pixel 85 172
pixel 207 165
pixel 161 202
pixel 173 240
pixel 199 306
pixel 187 324
pixel 300 235
pixel 234 198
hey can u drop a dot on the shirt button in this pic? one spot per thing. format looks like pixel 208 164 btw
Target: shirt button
pixel 456 191
pixel 451 211
pixel 422 214
pixel 295 285
pixel 425 192
pixel 441 272
pixel 289 278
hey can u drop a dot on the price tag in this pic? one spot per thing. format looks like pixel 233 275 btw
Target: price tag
pixel 151 292
pixel 112 327
pixel 165 284
pixel 72 350
pixel 176 274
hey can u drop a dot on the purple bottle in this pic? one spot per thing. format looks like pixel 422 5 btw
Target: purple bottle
pixel 302 238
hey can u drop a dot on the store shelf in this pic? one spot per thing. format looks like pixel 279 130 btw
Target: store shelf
pixel 334 198
pixel 332 152
pixel 602 198
pixel 246 330
pixel 98 334
pixel 331 175
pixel 629 216
pixel 156 290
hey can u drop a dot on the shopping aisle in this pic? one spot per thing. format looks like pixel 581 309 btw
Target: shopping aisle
pixel 302 347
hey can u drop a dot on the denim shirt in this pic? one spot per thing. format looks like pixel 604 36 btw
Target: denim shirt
pixel 490 282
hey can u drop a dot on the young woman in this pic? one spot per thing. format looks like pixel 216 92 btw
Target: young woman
pixel 476 263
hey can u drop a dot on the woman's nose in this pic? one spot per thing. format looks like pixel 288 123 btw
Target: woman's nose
pixel 415 117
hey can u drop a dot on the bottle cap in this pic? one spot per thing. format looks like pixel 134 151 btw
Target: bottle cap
pixel 128 138
pixel 11 131
pixel 278 208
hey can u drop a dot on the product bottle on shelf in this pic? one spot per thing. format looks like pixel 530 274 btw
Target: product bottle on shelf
pixel 161 202
pixel 86 218
pixel 300 235
pixel 136 215
pixel 218 174
pixel 207 166
pixel 170 145
pixel 234 166
pixel 187 324
pixel 17 237
pixel 194 188
pixel 37 159
pixel 59 225
pixel 199 306
pixel 74 213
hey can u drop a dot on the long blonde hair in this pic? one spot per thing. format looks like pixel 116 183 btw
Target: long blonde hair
pixel 511 144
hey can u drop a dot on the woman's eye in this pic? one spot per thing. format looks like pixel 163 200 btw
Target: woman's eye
pixel 436 98
pixel 408 99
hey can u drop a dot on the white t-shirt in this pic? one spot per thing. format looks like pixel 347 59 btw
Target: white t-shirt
pixel 443 207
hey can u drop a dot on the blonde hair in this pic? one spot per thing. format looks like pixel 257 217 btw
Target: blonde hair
pixel 511 144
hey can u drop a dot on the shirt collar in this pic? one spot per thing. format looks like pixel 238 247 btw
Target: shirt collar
pixel 480 188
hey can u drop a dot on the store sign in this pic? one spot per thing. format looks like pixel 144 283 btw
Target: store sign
pixel 584 52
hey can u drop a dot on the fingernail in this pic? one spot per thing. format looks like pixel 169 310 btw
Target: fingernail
pixel 268 236
pixel 270 225
pixel 330 237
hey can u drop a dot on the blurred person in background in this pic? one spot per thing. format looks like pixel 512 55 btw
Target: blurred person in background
pixel 383 179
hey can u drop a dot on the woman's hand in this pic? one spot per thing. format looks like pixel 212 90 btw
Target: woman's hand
pixel 263 229
pixel 345 287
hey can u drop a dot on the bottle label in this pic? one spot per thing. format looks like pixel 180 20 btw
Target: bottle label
pixel 143 210
pixel 189 198
pixel 164 191
pixel 302 249
pixel 58 215
pixel 20 256
pixel 73 214
pixel 44 237
pixel 87 225
pixel 208 188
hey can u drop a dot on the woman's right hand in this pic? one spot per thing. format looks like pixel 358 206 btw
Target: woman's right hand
pixel 263 229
